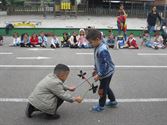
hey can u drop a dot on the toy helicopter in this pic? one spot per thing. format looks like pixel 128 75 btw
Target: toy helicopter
pixel 92 88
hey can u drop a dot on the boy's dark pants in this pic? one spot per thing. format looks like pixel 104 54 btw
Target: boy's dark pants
pixel 104 90
pixel 59 103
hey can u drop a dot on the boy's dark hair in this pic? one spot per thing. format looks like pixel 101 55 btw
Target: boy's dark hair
pixel 93 34
pixel 61 67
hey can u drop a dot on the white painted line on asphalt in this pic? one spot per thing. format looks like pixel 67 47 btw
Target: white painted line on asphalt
pixel 6 53
pixel 152 54
pixel 84 53
pixel 40 49
pixel 80 66
pixel 43 66
pixel 94 100
pixel 132 100
pixel 33 58
pixel 139 66
pixel 27 66
pixel 13 100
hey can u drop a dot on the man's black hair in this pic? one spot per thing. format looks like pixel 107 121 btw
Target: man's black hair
pixel 61 67
pixel 93 34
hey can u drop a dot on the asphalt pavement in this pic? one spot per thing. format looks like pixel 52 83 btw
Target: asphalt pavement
pixel 139 84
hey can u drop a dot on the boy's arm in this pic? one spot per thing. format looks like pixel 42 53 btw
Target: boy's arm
pixel 125 14
pixel 159 17
pixel 104 55
pixel 69 88
pixel 58 90
pixel 39 39
pixel 148 18
pixel 66 87
pixel 52 42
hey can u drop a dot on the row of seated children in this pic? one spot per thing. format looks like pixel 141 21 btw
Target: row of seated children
pixel 79 41
pixel 112 42
pixel 156 43
pixel 75 40
pixel 34 40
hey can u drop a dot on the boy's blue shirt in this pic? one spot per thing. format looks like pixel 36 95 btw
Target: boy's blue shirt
pixel 104 65
pixel 44 39
pixel 28 41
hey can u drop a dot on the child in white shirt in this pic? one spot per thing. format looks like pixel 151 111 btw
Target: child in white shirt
pixel 16 40
pixel 54 42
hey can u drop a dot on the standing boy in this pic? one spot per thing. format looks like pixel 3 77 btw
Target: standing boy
pixel 104 70
pixel 50 93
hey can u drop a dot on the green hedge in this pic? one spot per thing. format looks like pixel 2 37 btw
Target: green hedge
pixel 59 31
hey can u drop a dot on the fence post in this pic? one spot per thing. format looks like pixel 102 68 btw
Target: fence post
pixel 165 10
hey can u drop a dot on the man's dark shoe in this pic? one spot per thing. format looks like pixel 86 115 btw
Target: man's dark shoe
pixel 52 117
pixel 29 110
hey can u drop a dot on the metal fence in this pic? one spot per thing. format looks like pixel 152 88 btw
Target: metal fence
pixel 111 12
pixel 30 10
pixel 132 11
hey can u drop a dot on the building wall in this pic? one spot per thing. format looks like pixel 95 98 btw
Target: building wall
pixel 160 2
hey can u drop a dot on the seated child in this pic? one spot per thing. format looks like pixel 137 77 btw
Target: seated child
pixel 50 93
pixel 147 41
pixel 25 41
pixel 74 40
pixel 120 42
pixel 42 39
pixel 16 40
pixel 82 41
pixel 34 40
pixel 1 40
pixel 54 42
pixel 65 42
pixel 131 42
pixel 158 41
pixel 111 41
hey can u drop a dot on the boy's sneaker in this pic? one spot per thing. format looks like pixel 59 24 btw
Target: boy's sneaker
pixel 112 104
pixel 97 108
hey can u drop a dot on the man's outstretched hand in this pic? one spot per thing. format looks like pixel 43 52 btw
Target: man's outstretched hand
pixel 78 99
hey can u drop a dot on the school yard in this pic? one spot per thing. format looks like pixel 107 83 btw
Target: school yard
pixel 72 22
pixel 139 83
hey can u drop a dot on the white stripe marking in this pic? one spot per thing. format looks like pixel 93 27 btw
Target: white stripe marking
pixel 6 53
pixel 139 66
pixel 94 100
pixel 84 53
pixel 40 49
pixel 152 54
pixel 78 66
pixel 33 58
pixel 132 100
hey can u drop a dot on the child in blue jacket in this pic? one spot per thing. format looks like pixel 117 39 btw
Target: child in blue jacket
pixel 104 70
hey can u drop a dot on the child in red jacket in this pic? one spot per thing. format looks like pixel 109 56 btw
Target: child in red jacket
pixel 34 40
pixel 131 42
